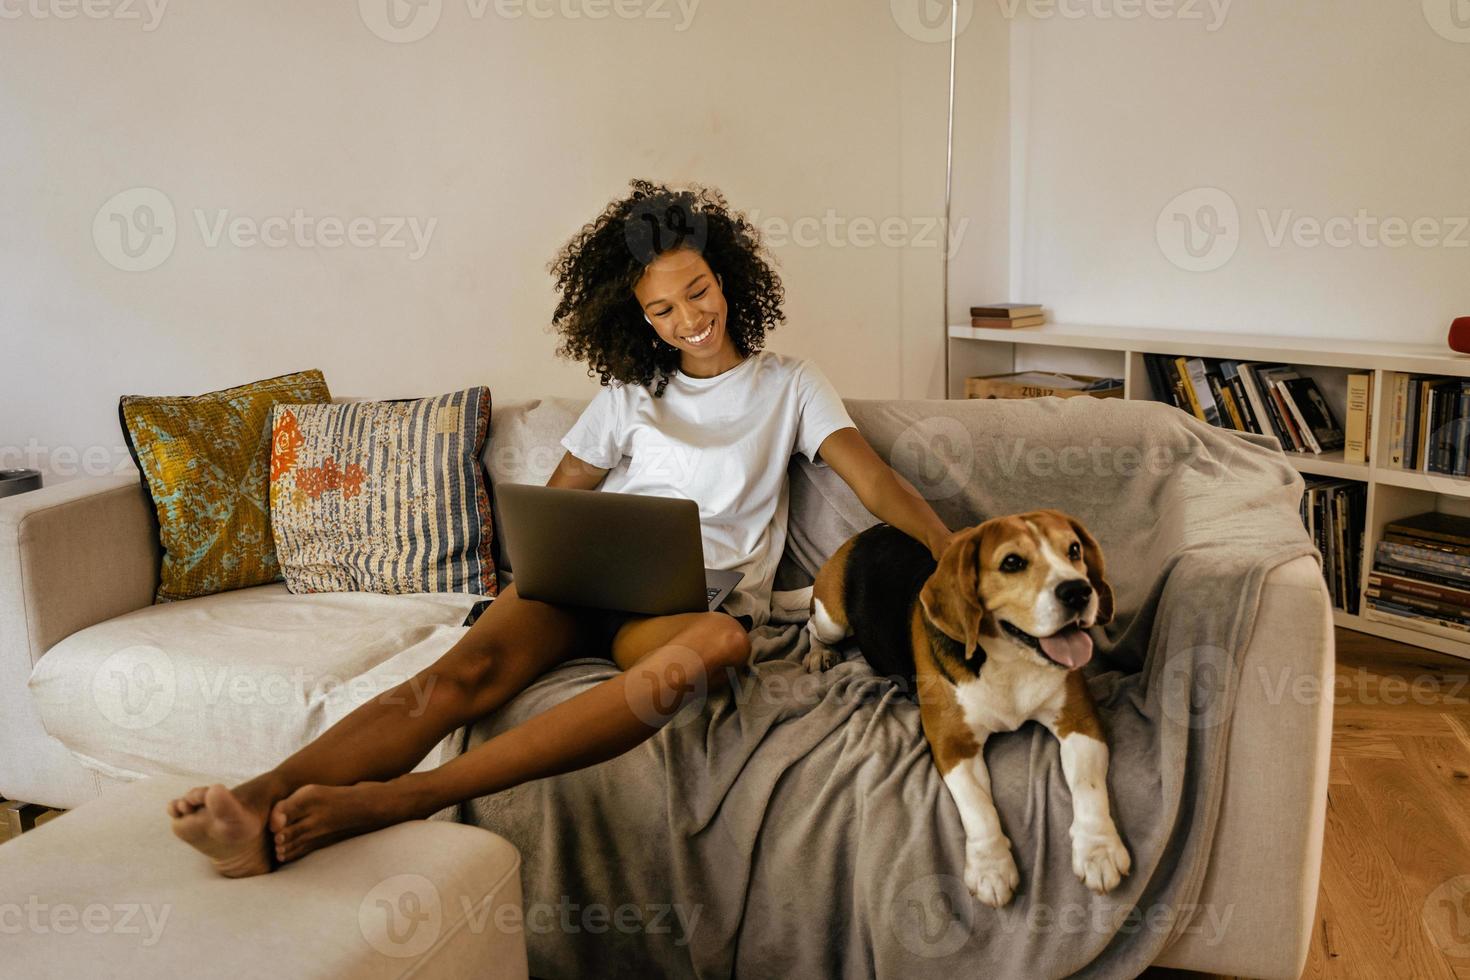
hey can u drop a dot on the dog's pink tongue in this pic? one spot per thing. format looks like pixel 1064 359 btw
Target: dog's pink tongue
pixel 1071 648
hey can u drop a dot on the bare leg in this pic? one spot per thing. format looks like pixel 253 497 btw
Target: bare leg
pixel 666 661
pixel 513 643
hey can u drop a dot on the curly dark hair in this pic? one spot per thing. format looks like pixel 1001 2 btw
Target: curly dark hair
pixel 599 318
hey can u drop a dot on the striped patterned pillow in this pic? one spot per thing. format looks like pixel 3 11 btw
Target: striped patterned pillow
pixel 385 497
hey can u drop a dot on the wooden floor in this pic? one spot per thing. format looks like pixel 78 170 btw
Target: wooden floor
pixel 1395 894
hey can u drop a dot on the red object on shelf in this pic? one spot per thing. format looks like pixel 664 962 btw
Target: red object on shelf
pixel 1460 335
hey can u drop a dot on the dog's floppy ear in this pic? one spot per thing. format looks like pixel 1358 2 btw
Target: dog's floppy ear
pixel 1096 571
pixel 951 596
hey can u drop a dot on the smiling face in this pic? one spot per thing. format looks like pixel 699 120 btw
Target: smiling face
pixel 1033 581
pixel 681 298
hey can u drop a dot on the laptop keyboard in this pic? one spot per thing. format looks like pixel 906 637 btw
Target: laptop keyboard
pixel 709 594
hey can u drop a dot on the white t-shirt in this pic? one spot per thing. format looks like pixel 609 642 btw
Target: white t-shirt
pixel 725 443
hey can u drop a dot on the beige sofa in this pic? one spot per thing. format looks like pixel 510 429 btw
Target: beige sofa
pixel 98 687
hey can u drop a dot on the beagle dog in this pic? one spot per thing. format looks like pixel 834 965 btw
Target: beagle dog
pixel 991 638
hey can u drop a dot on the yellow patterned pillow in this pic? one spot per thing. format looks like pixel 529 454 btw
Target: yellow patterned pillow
pixel 206 462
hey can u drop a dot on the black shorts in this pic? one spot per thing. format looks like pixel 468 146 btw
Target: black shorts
pixel 603 624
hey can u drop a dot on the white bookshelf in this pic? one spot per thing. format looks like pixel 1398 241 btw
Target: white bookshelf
pixel 1119 351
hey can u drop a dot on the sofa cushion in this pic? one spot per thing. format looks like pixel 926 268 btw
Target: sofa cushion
pixel 205 461
pixel 226 686
pixel 386 496
pixel 525 446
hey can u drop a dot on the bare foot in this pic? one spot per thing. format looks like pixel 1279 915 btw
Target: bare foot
pixel 315 816
pixel 228 830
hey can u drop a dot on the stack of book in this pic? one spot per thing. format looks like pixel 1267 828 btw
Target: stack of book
pixel 1431 420
pixel 1335 513
pixel 1270 399
pixel 1421 575
pixel 1007 316
pixel 1040 384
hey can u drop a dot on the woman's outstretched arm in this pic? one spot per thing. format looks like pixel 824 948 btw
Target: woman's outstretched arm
pixel 883 490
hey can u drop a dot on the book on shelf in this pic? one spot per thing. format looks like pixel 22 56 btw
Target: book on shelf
pixel 1040 384
pixel 1268 399
pixel 1381 611
pixel 1314 414
pixel 1007 316
pixel 1396 429
pixel 1421 575
pixel 1334 512
pixel 1416 602
pixel 1430 428
pixel 1197 387
pixel 1390 582
pixel 1433 526
pixel 1359 418
pixel 1006 311
pixel 1007 323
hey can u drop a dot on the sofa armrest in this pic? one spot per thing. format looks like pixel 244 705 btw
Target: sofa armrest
pixel 71 555
pixel 1258 901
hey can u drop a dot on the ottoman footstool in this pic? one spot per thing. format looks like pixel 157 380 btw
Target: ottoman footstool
pixel 107 890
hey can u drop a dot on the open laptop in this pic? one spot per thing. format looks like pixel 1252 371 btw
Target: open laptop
pixel 629 552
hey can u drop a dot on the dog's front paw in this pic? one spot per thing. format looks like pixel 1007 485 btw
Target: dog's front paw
pixel 1100 861
pixel 990 871
pixel 819 658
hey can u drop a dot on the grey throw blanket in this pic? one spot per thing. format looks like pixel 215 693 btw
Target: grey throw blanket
pixel 795 826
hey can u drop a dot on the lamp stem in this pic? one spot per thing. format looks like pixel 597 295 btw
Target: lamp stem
pixel 954 24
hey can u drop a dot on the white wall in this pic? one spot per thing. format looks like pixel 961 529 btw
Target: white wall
pixel 1315 109
pixel 508 132
pixel 1072 136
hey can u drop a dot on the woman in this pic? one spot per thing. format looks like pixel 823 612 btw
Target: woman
pixel 667 294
